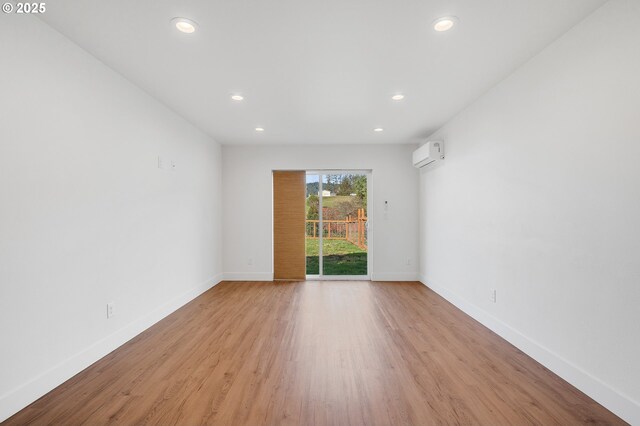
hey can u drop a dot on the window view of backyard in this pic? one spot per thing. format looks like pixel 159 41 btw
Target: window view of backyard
pixel 343 226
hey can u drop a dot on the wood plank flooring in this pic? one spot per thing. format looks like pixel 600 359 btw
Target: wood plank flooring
pixel 316 353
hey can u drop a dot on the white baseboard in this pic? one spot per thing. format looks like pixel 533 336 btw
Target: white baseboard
pixel 248 276
pixel 394 276
pixel 618 403
pixel 268 276
pixel 16 399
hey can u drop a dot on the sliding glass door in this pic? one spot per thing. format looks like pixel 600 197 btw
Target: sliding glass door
pixel 312 225
pixel 337 225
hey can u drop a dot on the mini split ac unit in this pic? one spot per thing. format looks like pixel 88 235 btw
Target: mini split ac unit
pixel 428 153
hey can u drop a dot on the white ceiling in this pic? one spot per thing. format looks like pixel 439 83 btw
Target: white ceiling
pixel 316 71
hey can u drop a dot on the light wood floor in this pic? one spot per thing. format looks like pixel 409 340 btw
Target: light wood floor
pixel 360 353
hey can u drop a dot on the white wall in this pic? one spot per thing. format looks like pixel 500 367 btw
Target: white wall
pixel 86 217
pixel 247 204
pixel 539 198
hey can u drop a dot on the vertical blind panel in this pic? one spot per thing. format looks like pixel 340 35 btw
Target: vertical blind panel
pixel 289 261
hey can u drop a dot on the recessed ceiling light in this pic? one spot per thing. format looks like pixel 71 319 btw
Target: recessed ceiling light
pixel 259 129
pixel 237 97
pixel 445 23
pixel 398 97
pixel 378 129
pixel 185 25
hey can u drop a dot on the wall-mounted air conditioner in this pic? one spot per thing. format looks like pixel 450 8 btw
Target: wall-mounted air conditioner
pixel 428 153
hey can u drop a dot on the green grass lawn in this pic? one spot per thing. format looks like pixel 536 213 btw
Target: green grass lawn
pixel 340 257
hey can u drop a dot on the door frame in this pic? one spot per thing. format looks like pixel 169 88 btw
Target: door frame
pixel 321 277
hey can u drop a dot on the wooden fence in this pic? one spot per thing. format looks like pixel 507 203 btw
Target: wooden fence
pixel 351 229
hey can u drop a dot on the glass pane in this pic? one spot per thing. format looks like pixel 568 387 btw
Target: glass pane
pixel 312 225
pixel 344 224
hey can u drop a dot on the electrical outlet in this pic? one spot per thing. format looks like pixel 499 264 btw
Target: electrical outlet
pixel 161 162
pixel 408 262
pixel 110 310
pixel 492 295
pixel 250 261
